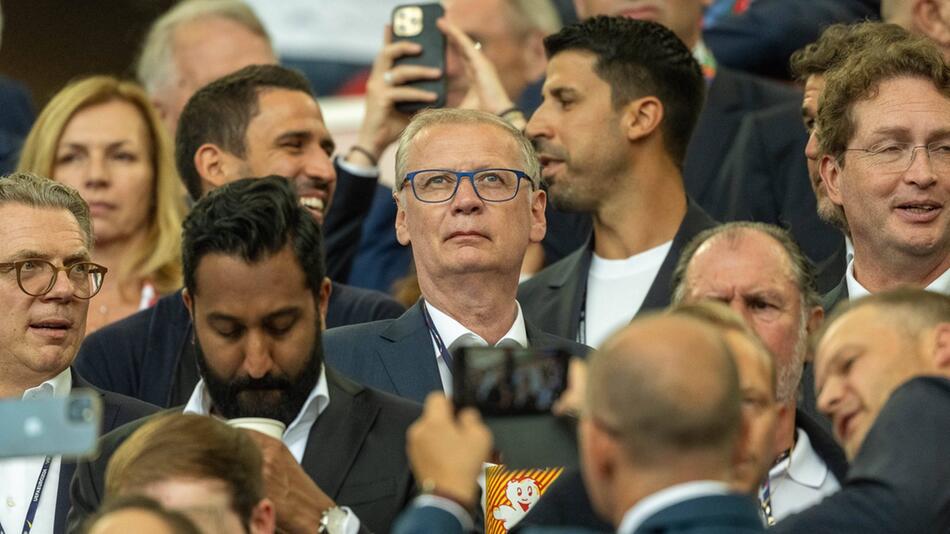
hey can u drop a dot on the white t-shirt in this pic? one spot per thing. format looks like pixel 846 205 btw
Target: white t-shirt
pixel 616 290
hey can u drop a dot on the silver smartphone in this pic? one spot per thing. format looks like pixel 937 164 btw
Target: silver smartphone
pixel 67 426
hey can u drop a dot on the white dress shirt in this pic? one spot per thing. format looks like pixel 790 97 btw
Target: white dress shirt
pixel 296 434
pixel 454 333
pixel 18 476
pixel 801 481
pixel 665 498
pixel 856 290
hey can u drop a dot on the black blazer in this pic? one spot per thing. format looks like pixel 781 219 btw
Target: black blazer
pixel 552 299
pixel 768 178
pixel 838 294
pixel 898 480
pixel 396 355
pixel 149 355
pixel 117 410
pixel 355 453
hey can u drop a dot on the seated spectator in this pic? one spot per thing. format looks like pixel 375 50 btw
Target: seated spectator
pixel 46 281
pixel 653 459
pixel 878 110
pixel 260 120
pixel 255 287
pixel 882 367
pixel 198 466
pixel 139 514
pixel 101 136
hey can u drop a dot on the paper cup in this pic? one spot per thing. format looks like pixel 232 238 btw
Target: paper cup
pixel 269 427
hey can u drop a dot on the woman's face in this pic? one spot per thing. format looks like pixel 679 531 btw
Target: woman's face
pixel 105 153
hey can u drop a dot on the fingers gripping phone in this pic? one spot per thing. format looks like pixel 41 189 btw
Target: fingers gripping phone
pixel 416 23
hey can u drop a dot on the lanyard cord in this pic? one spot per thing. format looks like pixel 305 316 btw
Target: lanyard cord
pixel 37 492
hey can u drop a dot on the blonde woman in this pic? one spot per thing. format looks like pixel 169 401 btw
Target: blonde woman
pixel 101 136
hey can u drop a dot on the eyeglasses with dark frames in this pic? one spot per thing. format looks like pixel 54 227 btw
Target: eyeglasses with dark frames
pixel 491 185
pixel 37 277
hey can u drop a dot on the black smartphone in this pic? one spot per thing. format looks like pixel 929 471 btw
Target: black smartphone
pixel 416 23
pixel 514 389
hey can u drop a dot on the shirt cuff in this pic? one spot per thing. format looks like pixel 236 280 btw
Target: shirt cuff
pixel 449 506
pixel 351 525
pixel 359 171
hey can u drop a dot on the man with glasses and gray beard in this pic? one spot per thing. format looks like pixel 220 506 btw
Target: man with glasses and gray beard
pixel 469 205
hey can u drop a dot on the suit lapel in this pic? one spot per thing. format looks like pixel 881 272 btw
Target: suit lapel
pixel 67 468
pixel 406 353
pixel 338 433
pixel 571 279
pixel 695 221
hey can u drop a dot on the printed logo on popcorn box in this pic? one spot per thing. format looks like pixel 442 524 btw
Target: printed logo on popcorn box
pixel 510 494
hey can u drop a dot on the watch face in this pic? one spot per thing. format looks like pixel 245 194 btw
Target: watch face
pixel 333 520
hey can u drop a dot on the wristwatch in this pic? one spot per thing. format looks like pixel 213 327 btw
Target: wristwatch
pixel 332 520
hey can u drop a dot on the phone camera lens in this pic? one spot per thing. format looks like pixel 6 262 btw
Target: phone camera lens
pixel 79 410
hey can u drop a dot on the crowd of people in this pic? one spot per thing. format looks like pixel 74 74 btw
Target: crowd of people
pixel 751 276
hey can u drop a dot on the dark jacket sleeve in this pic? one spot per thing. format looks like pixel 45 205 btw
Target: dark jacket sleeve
pixel 344 223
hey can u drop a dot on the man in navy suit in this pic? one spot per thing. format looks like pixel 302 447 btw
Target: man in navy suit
pixel 882 368
pixel 46 280
pixel 469 205
pixel 277 129
pixel 654 460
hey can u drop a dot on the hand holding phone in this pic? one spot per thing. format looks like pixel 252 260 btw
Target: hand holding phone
pixel 416 23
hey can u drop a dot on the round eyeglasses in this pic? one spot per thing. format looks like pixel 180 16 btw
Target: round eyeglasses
pixel 37 277
pixel 491 185
pixel 898 157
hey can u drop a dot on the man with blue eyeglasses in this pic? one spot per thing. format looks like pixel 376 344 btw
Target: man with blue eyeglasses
pixel 469 205
pixel 884 134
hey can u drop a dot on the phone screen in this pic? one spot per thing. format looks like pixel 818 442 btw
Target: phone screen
pixel 510 381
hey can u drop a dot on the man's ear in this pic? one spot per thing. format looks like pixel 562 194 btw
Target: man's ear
pixel 941 356
pixel 263 518
pixel 641 117
pixel 539 225
pixel 189 303
pixel 928 17
pixel 830 173
pixel 214 165
pixel 402 228
pixel 815 318
pixel 326 289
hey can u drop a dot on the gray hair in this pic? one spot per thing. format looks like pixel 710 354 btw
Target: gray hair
pixel 155 67
pixel 40 192
pixel 449 116
pixel 802 272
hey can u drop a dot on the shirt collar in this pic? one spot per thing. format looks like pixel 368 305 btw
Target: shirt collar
pixel 58 386
pixel 652 504
pixel 451 330
pixel 803 466
pixel 318 400
pixel 856 290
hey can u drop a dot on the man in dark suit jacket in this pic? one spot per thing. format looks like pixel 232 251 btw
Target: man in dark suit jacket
pixel 40 330
pixel 154 342
pixel 259 351
pixel 641 481
pixel 16 118
pixel 395 355
pixel 883 369
pixel 629 179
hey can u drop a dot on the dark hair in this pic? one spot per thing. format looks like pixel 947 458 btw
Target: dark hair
pixel 252 218
pixel 641 58
pixel 177 522
pixel 220 112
